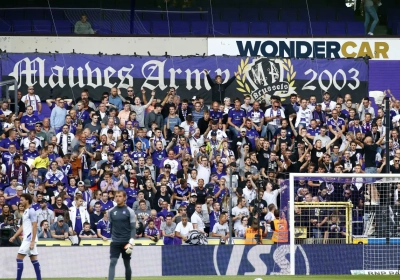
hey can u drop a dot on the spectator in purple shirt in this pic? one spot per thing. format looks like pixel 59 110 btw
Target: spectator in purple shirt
pixel 103 227
pixel 236 118
pixel 152 232
pixel 14 201
pixel 29 120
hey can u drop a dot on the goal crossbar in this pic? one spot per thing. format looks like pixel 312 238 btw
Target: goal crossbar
pixel 294 176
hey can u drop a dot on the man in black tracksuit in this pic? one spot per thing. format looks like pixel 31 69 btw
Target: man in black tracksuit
pixel 217 87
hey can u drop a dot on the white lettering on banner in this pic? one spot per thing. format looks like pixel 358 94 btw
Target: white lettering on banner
pixel 90 76
pixel 154 65
pixel 127 76
pixel 59 75
pixel 253 257
pixel 332 79
pixel 197 74
pixel 172 75
pixel 108 72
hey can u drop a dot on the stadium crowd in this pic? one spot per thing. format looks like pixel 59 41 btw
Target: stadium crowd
pixel 176 159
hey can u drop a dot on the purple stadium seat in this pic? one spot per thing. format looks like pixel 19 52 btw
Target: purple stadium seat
pixel 5 26
pixel 307 15
pixel 298 28
pixel 278 28
pixel 122 26
pixel 336 28
pixel 355 28
pixel 259 28
pixel 142 27
pixel 397 29
pixel 22 26
pixel 288 15
pixel 220 28
pixel 34 14
pixel 43 26
pixel 63 27
pixel 345 15
pixel 239 28
pixel 230 14
pixel 317 28
pixel 326 15
pixel 249 15
pixel 200 28
pixel 160 28
pixel 102 27
pixel 269 15
pixel 180 28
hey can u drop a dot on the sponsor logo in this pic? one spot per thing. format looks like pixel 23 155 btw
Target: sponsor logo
pixel 316 49
pixel 257 260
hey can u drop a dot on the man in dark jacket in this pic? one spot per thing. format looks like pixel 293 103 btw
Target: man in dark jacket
pixel 154 116
pixel 217 87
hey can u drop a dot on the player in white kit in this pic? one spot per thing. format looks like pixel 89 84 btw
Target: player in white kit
pixel 29 230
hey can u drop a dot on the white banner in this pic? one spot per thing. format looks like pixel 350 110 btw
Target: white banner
pixel 82 262
pixel 386 49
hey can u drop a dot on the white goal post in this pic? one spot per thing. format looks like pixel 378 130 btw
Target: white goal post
pixel 386 178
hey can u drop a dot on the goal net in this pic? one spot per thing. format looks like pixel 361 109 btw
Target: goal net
pixel 347 208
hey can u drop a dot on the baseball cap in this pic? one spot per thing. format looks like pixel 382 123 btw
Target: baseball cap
pixel 40 123
pixel 204 145
pixel 87 183
pixel 194 194
pixel 327 93
pixel 167 166
pixel 60 218
pixel 243 129
pixel 43 200
pixel 213 133
pixel 110 131
pixel 81 183
pixel 356 118
pixel 124 131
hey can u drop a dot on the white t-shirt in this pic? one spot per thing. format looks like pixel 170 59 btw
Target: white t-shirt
pixel 31 101
pixel 249 195
pixel 204 173
pixel 193 183
pixel 236 211
pixel 195 144
pixel 274 113
pixel 184 231
pixel 186 127
pixel 220 135
pixel 271 197
pixel 196 219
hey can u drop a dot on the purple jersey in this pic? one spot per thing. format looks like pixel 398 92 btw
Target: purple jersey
pixel 252 134
pixel 5 143
pixel 105 228
pixel 106 205
pixel 158 157
pixel 151 231
pixel 131 196
pixel 215 115
pixel 30 121
pixel 336 124
pixel 180 193
pixel 14 201
pixel 237 116
pixel 313 131
pixel 255 115
pixel 30 155
pixel 136 155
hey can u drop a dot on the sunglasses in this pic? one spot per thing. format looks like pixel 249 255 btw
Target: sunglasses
pixel 130 90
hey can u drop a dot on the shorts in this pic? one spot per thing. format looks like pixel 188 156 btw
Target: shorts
pixel 117 248
pixel 24 249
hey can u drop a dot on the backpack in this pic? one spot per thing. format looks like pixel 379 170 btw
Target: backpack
pixel 196 238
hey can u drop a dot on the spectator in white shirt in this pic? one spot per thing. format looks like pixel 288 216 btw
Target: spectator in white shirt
pixel 183 228
pixel 304 115
pixel 273 117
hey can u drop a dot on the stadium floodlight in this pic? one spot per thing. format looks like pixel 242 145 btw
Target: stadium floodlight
pixel 380 198
pixel 14 84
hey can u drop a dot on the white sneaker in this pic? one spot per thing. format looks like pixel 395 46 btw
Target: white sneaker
pixel 370 34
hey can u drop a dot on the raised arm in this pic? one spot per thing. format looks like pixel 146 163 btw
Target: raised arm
pixel 153 93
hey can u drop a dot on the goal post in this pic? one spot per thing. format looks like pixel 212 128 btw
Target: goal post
pixel 10 85
pixel 378 192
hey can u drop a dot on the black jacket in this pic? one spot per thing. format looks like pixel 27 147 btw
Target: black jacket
pixel 218 90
